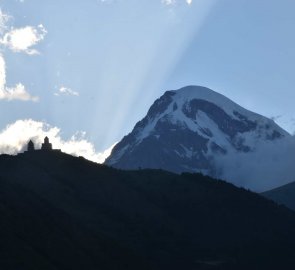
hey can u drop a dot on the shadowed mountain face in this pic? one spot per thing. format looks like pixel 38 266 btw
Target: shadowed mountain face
pixel 62 212
pixel 188 129
pixel 283 195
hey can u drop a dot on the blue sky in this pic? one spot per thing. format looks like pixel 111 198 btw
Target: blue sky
pixel 89 70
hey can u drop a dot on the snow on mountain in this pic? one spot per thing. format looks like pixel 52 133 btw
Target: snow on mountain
pixel 187 129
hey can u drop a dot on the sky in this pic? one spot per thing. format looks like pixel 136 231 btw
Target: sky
pixel 84 72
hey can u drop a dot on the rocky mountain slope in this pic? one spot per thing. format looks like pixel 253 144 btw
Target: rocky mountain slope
pixel 188 129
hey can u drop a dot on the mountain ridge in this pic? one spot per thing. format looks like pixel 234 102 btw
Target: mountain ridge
pixel 283 195
pixel 64 212
pixel 186 129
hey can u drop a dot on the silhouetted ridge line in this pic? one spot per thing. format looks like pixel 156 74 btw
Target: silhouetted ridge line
pixel 63 212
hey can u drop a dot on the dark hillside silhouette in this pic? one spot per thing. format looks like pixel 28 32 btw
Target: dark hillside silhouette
pixel 64 212
pixel 282 195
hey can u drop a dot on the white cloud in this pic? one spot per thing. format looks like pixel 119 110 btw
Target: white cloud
pixel 12 93
pixel 106 1
pixel 18 40
pixel 173 2
pixel 66 91
pixel 168 2
pixel 22 39
pixel 14 138
pixel 165 2
pixel 269 166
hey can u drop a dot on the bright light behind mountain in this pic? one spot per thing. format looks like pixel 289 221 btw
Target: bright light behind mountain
pixel 95 61
pixel 96 66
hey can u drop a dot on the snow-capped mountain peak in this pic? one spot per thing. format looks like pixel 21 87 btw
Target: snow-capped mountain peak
pixel 185 128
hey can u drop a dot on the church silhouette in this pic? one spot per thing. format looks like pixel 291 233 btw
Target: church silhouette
pixel 46 146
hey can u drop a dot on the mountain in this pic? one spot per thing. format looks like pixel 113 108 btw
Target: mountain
pixel 62 212
pixel 188 129
pixel 283 195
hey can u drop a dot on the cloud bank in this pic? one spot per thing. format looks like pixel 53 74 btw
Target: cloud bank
pixel 14 139
pixel 271 165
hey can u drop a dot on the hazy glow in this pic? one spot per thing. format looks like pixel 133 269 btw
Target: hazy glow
pixel 120 55
pixel 113 66
pixel 14 139
pixel 158 43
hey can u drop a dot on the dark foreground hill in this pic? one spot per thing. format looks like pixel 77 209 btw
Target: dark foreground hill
pixel 283 195
pixel 62 212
